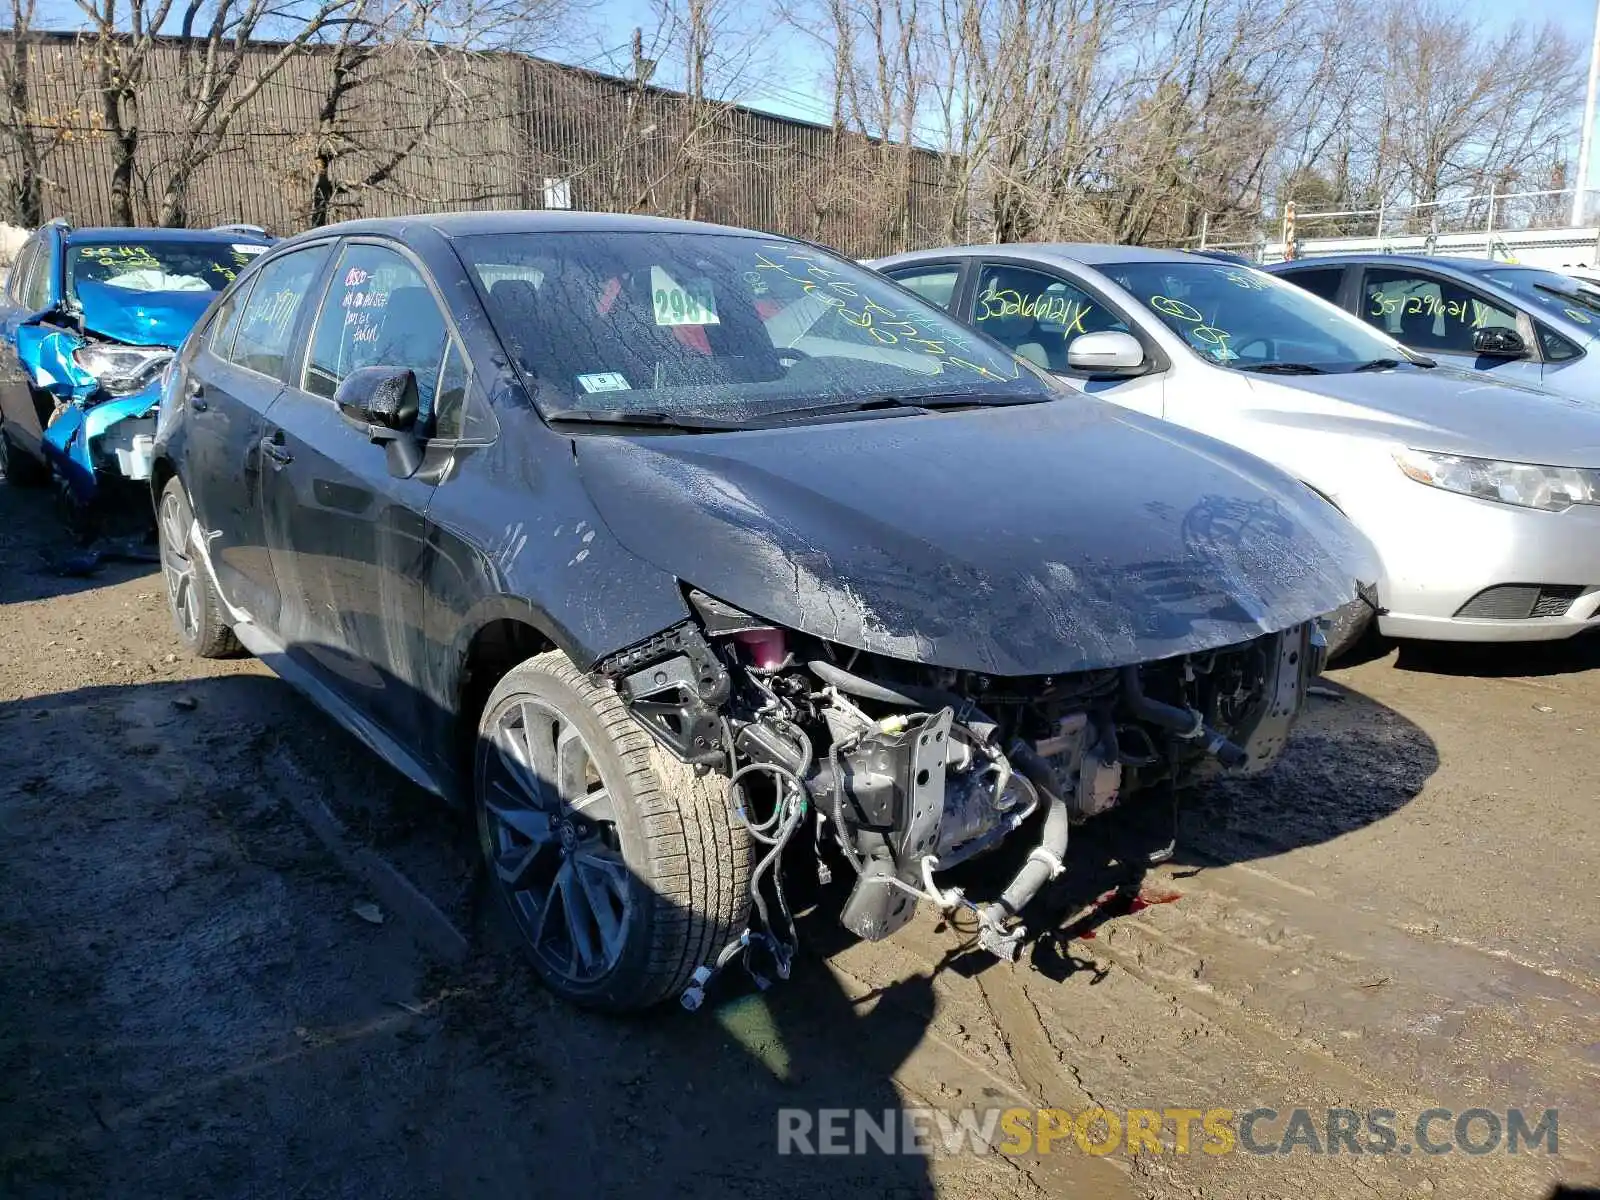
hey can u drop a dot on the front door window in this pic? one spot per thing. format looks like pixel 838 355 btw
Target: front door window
pixel 1429 312
pixel 1037 315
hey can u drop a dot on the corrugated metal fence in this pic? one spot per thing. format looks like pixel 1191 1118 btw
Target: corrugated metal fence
pixel 425 130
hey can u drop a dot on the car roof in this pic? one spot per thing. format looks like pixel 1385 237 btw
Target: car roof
pixel 469 224
pixel 125 233
pixel 1452 262
pixel 1090 254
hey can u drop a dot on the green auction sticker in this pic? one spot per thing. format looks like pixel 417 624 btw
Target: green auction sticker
pixel 679 304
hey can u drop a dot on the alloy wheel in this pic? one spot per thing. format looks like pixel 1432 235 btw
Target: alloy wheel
pixel 179 568
pixel 551 837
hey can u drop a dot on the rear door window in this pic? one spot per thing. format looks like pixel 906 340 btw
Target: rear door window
pixel 1429 312
pixel 267 319
pixel 1556 348
pixel 1037 315
pixel 36 283
pixel 1319 281
pixel 17 285
pixel 935 282
pixel 219 333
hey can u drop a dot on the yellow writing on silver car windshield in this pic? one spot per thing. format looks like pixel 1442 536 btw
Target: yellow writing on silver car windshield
pixel 1197 330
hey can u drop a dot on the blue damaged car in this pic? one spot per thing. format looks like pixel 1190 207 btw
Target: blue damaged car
pixel 88 322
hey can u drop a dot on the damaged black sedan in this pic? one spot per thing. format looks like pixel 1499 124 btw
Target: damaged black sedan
pixel 668 548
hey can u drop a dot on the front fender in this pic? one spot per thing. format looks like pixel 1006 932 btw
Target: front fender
pixel 46 356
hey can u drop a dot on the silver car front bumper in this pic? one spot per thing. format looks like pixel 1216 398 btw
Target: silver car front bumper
pixel 1441 551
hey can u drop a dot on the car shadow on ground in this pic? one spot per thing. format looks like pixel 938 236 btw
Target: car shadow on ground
pixel 188 987
pixel 39 559
pixel 1502 659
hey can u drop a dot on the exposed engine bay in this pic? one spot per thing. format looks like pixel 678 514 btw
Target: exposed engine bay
pixel 910 769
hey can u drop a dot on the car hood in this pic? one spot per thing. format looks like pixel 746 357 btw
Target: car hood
pixel 1042 539
pixel 141 318
pixel 1448 410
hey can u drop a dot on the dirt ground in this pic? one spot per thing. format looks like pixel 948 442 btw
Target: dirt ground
pixel 1403 916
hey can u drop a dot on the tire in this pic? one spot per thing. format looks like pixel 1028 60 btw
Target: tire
pixel 1347 626
pixel 19 467
pixel 656 869
pixel 192 598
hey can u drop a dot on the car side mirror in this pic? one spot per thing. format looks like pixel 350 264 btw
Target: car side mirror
pixel 50 312
pixel 1106 353
pixel 383 402
pixel 1499 343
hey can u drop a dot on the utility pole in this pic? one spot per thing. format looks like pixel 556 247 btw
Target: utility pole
pixel 1587 136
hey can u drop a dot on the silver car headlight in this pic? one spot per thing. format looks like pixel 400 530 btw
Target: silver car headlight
pixel 1550 489
pixel 121 370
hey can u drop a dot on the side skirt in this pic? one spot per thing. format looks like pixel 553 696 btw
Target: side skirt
pixel 269 651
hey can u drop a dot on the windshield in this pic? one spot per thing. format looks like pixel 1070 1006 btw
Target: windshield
pixel 723 326
pixel 1572 298
pixel 146 265
pixel 1246 319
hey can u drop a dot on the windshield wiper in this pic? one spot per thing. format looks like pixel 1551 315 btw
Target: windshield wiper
pixel 626 419
pixel 1587 298
pixel 1284 368
pixel 1389 364
pixel 892 405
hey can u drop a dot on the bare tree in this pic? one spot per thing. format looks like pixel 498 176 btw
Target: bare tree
pixel 1460 111
pixel 385 90
pixel 713 51
pixel 216 41
pixel 24 156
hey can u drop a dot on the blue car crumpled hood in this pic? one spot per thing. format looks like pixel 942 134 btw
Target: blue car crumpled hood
pixel 1044 539
pixel 141 318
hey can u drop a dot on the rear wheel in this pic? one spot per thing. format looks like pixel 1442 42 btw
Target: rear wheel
pixel 622 867
pixel 19 467
pixel 191 595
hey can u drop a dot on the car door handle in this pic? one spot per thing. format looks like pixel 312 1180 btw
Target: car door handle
pixel 197 396
pixel 273 447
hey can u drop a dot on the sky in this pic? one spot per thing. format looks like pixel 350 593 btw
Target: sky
pixel 790 87
pixel 786 79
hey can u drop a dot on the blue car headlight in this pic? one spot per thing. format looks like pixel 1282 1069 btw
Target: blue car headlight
pixel 1550 489
pixel 122 370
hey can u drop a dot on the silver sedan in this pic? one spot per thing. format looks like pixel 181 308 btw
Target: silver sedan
pixel 1481 497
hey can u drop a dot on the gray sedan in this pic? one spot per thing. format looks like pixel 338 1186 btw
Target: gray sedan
pixel 1482 496
pixel 1523 323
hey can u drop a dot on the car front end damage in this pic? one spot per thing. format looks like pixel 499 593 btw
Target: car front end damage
pixel 924 665
pixel 909 769
pixel 104 395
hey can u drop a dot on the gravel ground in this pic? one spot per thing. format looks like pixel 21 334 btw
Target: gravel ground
pixel 1401 917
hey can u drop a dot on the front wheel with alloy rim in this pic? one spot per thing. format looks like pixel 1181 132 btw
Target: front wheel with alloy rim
pixel 622 867
pixel 191 595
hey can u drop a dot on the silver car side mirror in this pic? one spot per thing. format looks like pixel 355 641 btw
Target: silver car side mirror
pixel 1106 353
